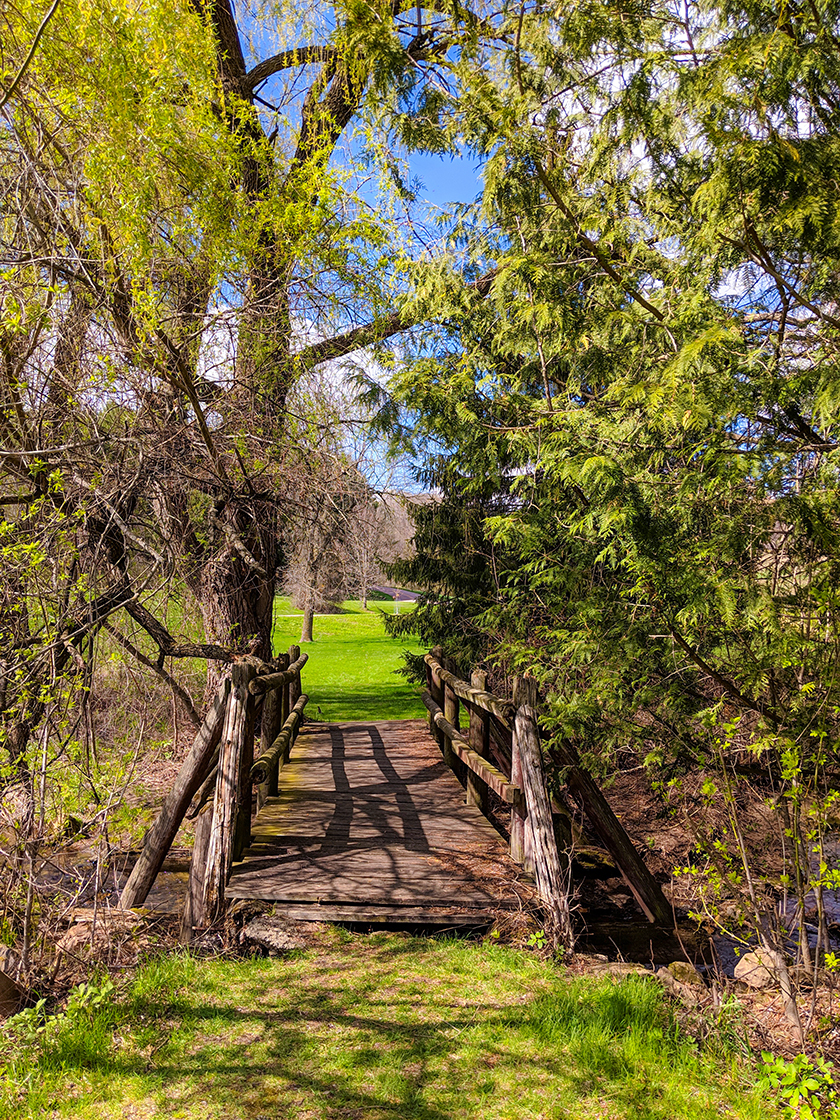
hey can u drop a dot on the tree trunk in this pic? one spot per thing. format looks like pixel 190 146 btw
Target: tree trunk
pixel 237 583
pixel 308 622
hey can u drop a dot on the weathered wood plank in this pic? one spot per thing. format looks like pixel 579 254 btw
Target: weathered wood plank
pixel 385 915
pixel 369 814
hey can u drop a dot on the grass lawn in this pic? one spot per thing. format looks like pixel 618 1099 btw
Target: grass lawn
pixel 352 661
pixel 383 1027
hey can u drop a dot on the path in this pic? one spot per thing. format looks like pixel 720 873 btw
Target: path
pixel 371 824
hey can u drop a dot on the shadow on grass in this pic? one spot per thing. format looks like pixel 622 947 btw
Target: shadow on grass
pixel 371 702
pixel 369 1046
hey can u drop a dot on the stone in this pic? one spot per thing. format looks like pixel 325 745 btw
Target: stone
pixel 280 934
pixel 686 973
pixel 11 996
pixel 686 993
pixel 618 969
pixel 756 969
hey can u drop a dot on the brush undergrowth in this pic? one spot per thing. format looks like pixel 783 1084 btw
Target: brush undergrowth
pixel 374 1027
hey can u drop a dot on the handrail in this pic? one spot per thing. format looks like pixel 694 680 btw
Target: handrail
pixel 266 681
pixel 531 832
pixel 217 776
pixel 485 770
pixel 276 753
pixel 503 710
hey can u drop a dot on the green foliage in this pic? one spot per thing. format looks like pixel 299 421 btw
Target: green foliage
pixel 35 1031
pixel 634 430
pixel 806 1086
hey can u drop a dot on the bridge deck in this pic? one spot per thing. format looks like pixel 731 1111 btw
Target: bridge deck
pixel 369 815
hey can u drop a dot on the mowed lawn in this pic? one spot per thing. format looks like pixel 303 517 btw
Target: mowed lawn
pixel 351 672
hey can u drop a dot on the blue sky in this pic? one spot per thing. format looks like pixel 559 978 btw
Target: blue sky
pixel 446 179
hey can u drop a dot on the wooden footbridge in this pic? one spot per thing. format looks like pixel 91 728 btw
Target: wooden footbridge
pixel 381 821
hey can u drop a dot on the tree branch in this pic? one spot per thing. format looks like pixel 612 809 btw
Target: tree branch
pixel 179 691
pixel 297 56
pixel 368 333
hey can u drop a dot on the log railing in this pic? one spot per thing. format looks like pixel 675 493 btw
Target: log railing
pixel 217 777
pixel 508 731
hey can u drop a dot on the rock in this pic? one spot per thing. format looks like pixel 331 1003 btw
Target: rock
pixel 686 973
pixel 756 969
pixel 687 993
pixel 281 934
pixel 9 960
pixel 619 969
pixel 11 996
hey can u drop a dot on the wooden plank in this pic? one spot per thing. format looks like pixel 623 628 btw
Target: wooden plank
pixel 368 813
pixel 390 915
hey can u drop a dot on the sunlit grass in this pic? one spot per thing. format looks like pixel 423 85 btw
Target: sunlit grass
pixel 351 674
pixel 386 1026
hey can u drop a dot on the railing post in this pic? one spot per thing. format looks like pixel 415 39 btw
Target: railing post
pixel 552 878
pixel 244 790
pixel 436 691
pixel 479 737
pixel 192 916
pixel 282 702
pixel 269 727
pixel 524 692
pixel 294 690
pixel 452 711
pixel 228 796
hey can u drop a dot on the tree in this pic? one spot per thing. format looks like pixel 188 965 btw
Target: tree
pixel 653 376
pixel 155 211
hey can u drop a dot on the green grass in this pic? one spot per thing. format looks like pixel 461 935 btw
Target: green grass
pixel 352 661
pixel 386 1027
